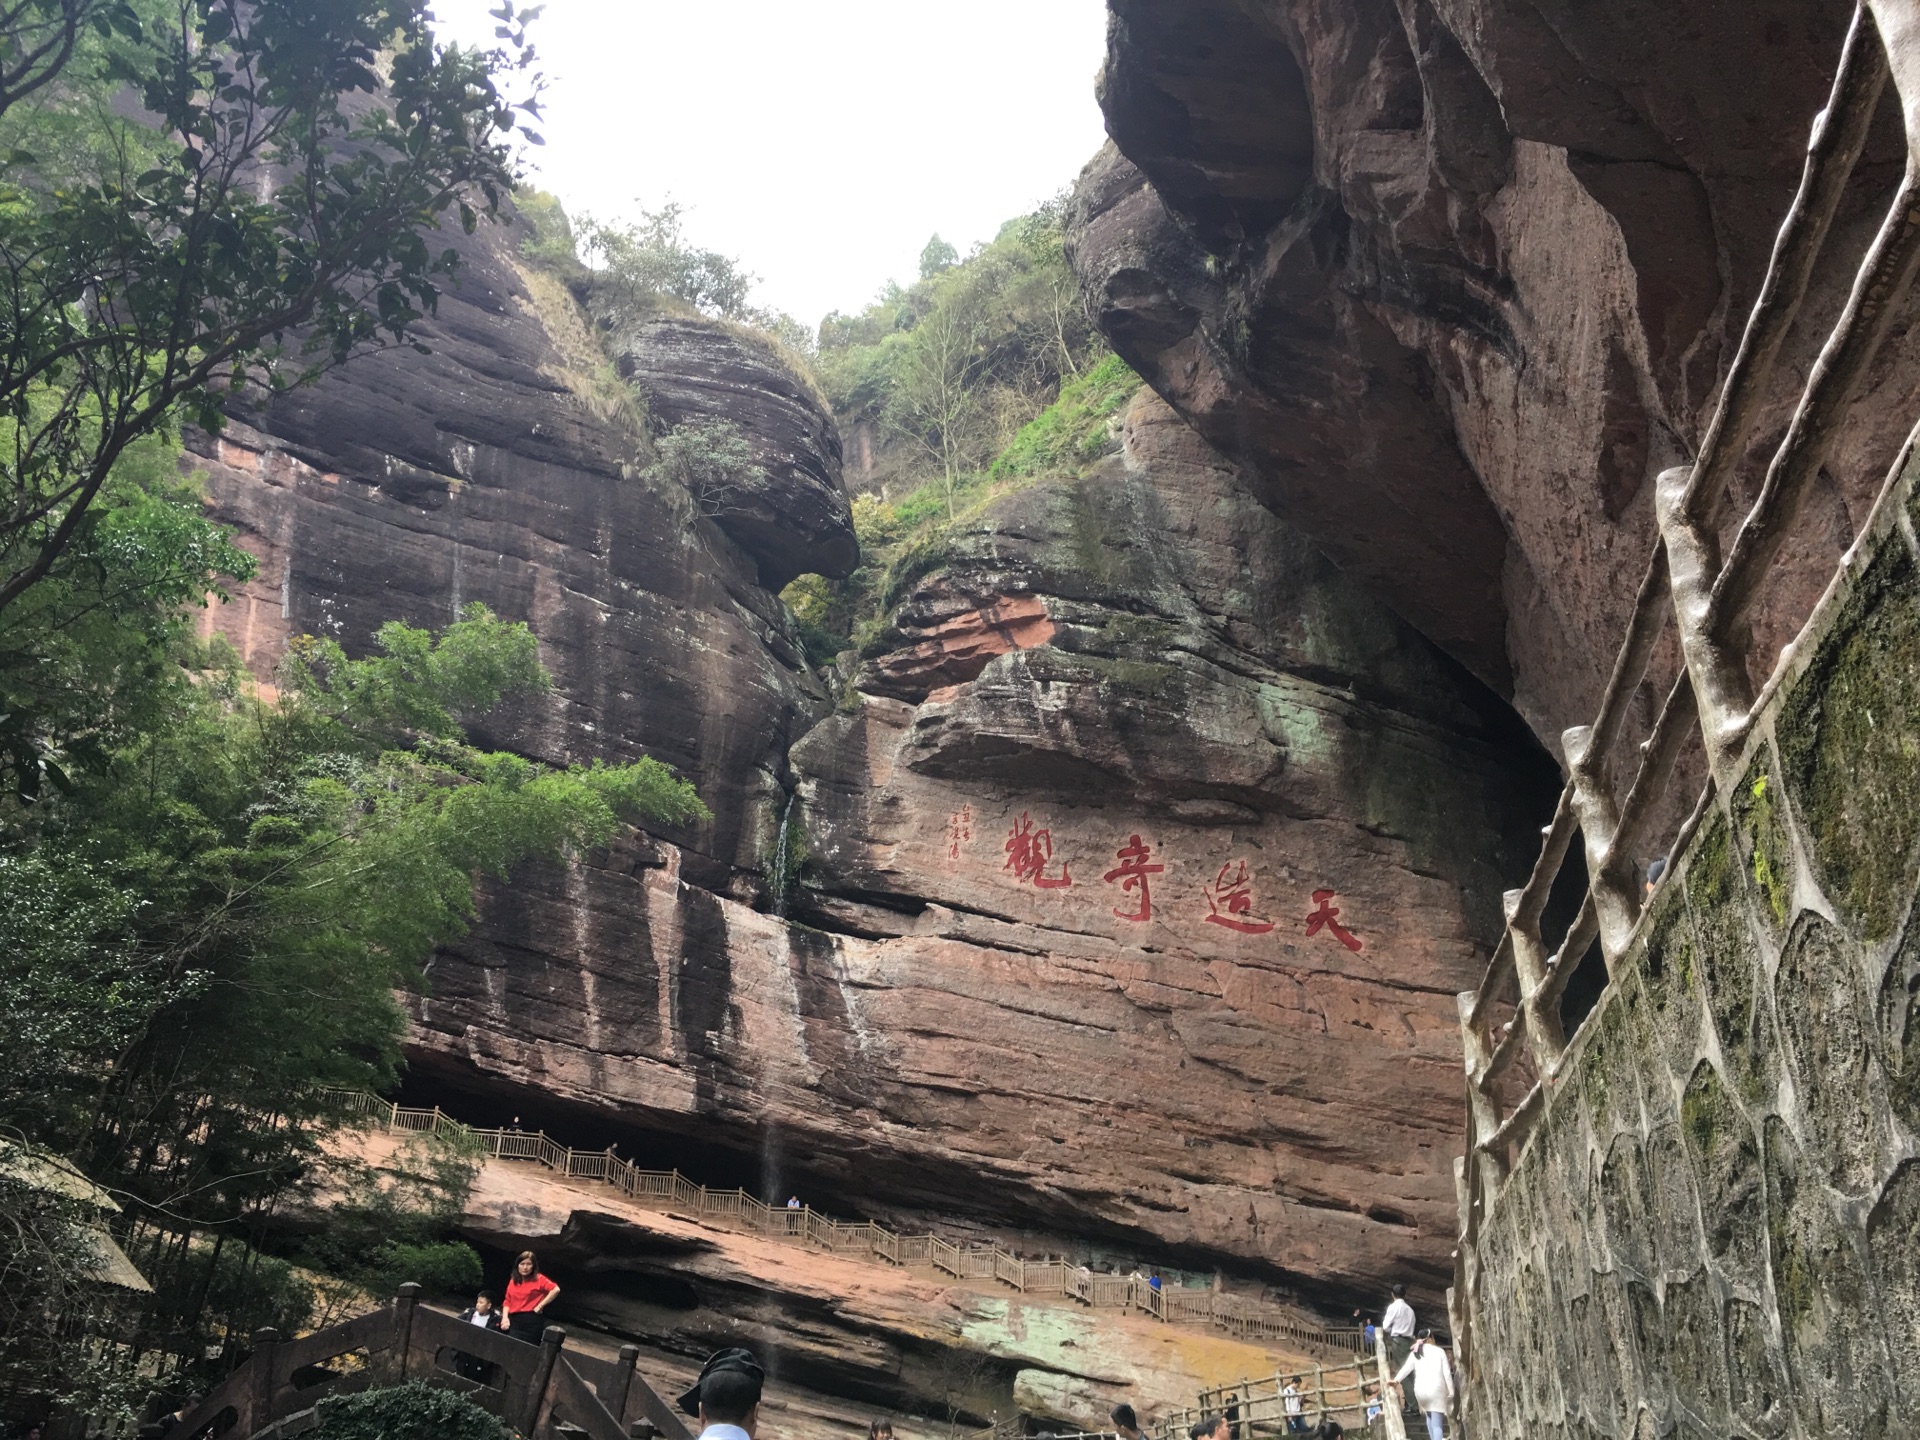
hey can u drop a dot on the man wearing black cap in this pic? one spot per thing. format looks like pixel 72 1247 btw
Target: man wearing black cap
pixel 726 1397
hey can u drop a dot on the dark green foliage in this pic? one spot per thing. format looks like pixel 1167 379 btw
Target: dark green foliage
pixel 712 459
pixel 148 270
pixel 47 1288
pixel 210 931
pixel 406 1412
pixel 394 1227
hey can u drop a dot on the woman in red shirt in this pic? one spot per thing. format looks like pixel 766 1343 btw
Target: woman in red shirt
pixel 528 1293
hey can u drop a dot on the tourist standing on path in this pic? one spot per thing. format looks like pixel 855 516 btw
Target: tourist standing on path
pixel 528 1294
pixel 1208 1427
pixel 1432 1383
pixel 1125 1423
pixel 726 1397
pixel 1397 1325
pixel 880 1429
pixel 1295 1408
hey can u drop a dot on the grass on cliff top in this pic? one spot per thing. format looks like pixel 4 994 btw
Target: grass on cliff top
pixel 903 540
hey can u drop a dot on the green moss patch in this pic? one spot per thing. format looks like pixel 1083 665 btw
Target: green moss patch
pixel 1765 843
pixel 1849 736
pixel 1728 957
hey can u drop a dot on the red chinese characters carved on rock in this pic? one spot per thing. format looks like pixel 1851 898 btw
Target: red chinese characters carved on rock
pixel 1230 901
pixel 1030 851
pixel 1327 917
pixel 959 831
pixel 1132 873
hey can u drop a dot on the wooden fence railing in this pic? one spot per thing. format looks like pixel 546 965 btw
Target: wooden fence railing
pixel 670 1190
pixel 542 1391
pixel 1702 593
pixel 1259 1408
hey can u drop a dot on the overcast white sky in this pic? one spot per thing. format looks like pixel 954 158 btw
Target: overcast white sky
pixel 822 141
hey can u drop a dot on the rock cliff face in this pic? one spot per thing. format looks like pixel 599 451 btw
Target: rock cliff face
pixel 499 469
pixel 1133 874
pixel 1454 279
pixel 980 1016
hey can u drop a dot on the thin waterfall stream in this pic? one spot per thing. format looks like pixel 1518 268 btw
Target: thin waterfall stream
pixel 779 877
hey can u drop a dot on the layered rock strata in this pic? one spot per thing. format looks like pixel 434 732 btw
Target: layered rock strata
pixel 502 469
pixel 847 1339
pixel 1132 907
pixel 1455 279
pixel 1137 866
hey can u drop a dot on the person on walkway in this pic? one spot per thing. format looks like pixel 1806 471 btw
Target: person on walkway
pixel 1398 1326
pixel 1371 1395
pixel 481 1315
pixel 1432 1383
pixel 1126 1424
pixel 1208 1427
pixel 528 1294
pixel 880 1429
pixel 726 1397
pixel 1294 1406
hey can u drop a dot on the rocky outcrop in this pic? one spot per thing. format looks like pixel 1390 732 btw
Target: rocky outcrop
pixel 1138 866
pixel 1244 1057
pixel 789 510
pixel 1454 279
pixel 843 1338
pixel 499 469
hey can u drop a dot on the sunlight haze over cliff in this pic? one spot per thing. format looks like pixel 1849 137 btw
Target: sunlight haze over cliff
pixel 821 143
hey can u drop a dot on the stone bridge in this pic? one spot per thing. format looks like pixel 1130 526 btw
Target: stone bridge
pixel 1698 1215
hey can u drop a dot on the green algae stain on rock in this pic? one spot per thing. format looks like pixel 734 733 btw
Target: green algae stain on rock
pixel 1850 746
pixel 1729 960
pixel 1769 849
pixel 1668 975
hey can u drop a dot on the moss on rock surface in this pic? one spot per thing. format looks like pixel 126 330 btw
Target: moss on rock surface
pixel 1750 1092
pixel 1850 745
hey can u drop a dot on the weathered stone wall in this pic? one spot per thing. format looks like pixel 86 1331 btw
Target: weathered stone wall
pixel 1715 1228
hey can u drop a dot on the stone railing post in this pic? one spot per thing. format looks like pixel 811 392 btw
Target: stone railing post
pixel 260 1394
pixel 623 1382
pixel 539 1389
pixel 404 1306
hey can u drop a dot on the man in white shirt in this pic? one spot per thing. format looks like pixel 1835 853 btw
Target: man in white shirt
pixel 726 1397
pixel 1295 1408
pixel 1397 1325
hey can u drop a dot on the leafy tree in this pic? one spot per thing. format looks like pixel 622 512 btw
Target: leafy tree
pixel 948 369
pixel 935 397
pixel 263 213
pixel 655 257
pixel 208 933
pixel 713 459
pixel 936 257
pixel 632 272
